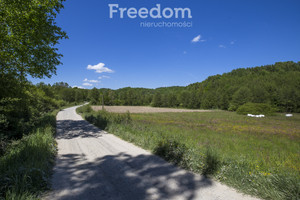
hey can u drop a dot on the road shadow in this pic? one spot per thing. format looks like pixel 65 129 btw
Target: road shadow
pixel 69 129
pixel 122 177
pixel 117 177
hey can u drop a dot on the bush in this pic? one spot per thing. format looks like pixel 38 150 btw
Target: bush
pixel 103 118
pixel 232 107
pixel 98 120
pixel 172 151
pixel 20 116
pixel 212 162
pixel 256 109
pixel 84 109
pixel 25 167
pixel 61 103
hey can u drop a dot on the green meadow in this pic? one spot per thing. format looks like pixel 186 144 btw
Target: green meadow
pixel 258 156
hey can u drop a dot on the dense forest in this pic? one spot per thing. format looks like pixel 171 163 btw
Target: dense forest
pixel 277 85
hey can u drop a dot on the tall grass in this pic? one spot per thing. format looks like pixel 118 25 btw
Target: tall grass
pixel 257 156
pixel 102 118
pixel 26 166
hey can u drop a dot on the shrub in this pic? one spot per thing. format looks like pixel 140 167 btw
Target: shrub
pixel 61 103
pixel 256 109
pixel 84 109
pixel 212 162
pixel 102 118
pixel 26 165
pixel 98 120
pixel 171 150
pixel 232 107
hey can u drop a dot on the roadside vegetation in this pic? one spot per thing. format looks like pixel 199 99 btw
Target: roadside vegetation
pixel 27 111
pixel 26 166
pixel 27 131
pixel 259 156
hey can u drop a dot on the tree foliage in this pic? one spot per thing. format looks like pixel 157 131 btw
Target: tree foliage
pixel 277 85
pixel 28 34
pixel 256 109
pixel 22 110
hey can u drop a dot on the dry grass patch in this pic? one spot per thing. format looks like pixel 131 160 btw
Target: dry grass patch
pixel 143 109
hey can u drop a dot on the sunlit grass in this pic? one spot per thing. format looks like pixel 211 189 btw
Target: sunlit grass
pixel 259 156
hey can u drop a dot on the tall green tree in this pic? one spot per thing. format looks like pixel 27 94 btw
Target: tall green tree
pixel 157 100
pixel 28 35
pixel 94 96
pixel 240 97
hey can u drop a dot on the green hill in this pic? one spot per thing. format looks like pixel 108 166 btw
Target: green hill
pixel 277 85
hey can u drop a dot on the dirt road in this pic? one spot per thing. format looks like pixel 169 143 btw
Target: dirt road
pixel 92 164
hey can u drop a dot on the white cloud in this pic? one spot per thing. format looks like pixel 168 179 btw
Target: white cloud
pixel 90 81
pixel 232 42
pixel 221 46
pixel 93 81
pixel 74 86
pixel 99 68
pixel 87 84
pixel 197 39
pixel 101 77
pixel 184 52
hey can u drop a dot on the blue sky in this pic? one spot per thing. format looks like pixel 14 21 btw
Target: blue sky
pixel 106 52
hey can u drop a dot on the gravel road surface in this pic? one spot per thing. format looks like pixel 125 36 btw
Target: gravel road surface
pixel 92 164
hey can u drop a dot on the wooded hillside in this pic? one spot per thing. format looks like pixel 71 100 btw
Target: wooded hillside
pixel 277 85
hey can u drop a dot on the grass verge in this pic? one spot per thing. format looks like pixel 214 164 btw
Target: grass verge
pixel 256 156
pixel 26 166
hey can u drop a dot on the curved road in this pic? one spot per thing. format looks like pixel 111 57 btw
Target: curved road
pixel 92 164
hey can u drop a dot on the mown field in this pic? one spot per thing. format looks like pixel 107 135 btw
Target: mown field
pixel 259 156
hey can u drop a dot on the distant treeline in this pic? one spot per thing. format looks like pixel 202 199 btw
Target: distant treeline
pixel 22 103
pixel 277 85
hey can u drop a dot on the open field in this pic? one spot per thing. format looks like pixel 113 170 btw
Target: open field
pixel 143 109
pixel 259 156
